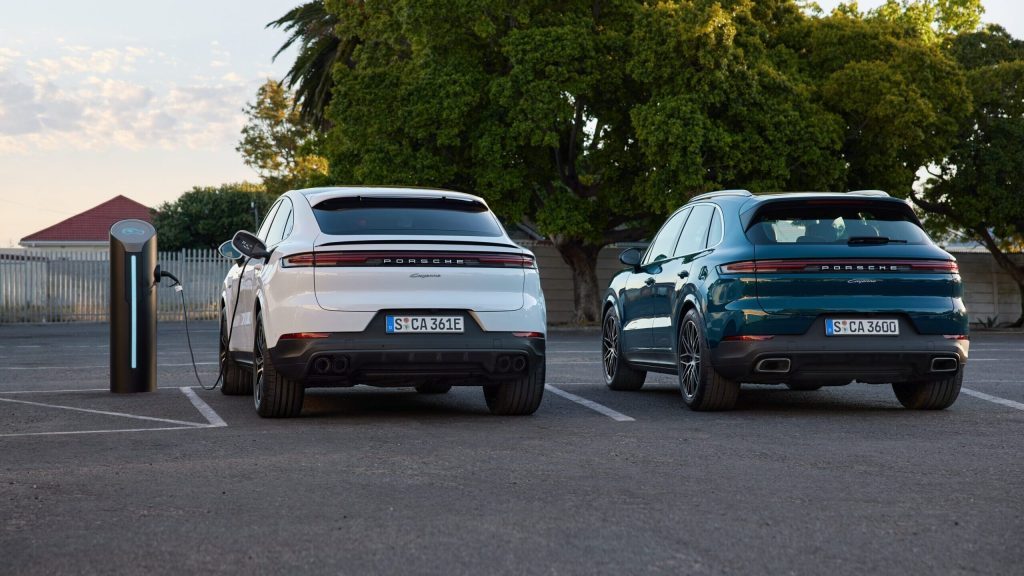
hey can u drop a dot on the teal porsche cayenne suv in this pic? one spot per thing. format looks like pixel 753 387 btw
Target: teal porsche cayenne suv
pixel 804 290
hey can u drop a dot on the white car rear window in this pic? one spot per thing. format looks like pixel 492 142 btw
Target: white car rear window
pixel 405 216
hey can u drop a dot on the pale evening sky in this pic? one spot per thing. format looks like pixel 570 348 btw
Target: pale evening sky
pixel 144 98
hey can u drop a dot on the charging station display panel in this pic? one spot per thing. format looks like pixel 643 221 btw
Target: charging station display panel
pixel 133 306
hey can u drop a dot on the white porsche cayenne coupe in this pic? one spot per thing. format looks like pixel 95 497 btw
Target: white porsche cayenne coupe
pixel 386 287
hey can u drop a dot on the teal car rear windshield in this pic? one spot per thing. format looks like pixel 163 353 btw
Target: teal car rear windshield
pixel 831 222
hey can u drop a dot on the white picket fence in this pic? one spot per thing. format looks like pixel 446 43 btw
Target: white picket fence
pixel 67 286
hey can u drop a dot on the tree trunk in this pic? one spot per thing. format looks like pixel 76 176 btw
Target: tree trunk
pixel 582 260
pixel 1007 264
pixel 1020 321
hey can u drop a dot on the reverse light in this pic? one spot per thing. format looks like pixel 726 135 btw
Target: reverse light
pixel 305 335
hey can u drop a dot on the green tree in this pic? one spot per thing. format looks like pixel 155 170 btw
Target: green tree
pixel 932 20
pixel 589 121
pixel 978 189
pixel 320 49
pixel 729 106
pixel 988 46
pixel 277 143
pixel 204 217
pixel 900 98
pixel 526 105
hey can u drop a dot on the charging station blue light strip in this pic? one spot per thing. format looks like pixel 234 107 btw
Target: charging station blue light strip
pixel 134 283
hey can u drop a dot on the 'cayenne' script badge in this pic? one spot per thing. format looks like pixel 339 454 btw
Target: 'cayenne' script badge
pixel 418 275
pixel 861 281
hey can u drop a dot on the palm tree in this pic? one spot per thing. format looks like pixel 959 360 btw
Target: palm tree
pixel 310 76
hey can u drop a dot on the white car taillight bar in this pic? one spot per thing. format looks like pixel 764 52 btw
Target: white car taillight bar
pixel 435 259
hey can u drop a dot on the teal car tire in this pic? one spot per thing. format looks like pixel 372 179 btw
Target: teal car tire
pixel 703 389
pixel 618 375
pixel 929 395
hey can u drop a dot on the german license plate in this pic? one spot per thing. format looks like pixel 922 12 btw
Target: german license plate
pixel 424 324
pixel 862 327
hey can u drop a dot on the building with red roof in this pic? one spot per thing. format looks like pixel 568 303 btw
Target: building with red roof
pixel 89 230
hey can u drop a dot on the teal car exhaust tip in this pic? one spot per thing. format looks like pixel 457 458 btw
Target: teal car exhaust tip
pixel 773 365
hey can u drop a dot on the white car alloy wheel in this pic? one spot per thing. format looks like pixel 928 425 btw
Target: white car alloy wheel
pixel 258 366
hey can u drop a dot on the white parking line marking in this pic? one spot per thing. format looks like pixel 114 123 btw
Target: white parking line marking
pixel 574 362
pixel 103 412
pixel 52 391
pixel 161 365
pixel 67 390
pixel 215 420
pixel 987 349
pixel 104 431
pixel 601 408
pixel 995 399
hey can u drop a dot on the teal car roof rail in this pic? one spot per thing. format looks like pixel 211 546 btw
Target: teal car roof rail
pixel 718 193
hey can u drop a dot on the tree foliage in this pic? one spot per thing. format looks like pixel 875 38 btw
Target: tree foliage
pixel 589 121
pixel 728 105
pixel 986 47
pixel 527 105
pixel 932 20
pixel 205 217
pixel 979 187
pixel 900 98
pixel 277 143
pixel 312 27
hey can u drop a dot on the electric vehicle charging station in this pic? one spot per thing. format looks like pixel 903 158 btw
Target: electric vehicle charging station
pixel 134 275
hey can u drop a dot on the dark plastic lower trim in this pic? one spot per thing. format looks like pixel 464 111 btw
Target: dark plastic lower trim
pixel 474 357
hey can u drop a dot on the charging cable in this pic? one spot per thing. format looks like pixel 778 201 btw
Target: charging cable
pixel 176 284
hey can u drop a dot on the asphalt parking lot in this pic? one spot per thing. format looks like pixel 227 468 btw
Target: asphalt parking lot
pixel 838 481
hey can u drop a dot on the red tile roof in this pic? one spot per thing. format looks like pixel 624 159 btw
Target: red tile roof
pixel 94 224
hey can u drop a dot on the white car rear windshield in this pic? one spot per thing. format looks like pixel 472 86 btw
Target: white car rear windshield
pixel 405 217
pixel 830 222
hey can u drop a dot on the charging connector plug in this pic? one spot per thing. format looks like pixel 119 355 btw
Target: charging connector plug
pixel 165 274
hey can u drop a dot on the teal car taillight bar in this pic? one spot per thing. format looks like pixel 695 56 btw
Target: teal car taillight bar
pixel 774 266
